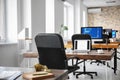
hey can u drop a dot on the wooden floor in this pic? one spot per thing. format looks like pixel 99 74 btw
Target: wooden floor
pixel 104 73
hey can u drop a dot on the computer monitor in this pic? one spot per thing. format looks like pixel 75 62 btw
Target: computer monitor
pixel 114 33
pixel 108 32
pixel 94 32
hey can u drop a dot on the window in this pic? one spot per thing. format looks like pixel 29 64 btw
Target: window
pixel 2 17
pixel 50 16
pixel 8 20
pixel 69 18
pixel 65 15
pixel 84 18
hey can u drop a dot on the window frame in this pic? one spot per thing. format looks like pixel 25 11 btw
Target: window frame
pixel 2 21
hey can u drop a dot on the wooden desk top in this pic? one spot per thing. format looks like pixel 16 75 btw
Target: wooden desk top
pixel 110 45
pixel 93 55
pixel 59 74
pixel 30 55
pixel 115 42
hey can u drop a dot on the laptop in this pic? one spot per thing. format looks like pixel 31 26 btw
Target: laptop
pixel 82 46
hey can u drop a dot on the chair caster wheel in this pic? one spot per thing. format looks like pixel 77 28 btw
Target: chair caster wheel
pixel 76 76
pixel 91 77
pixel 73 73
pixel 96 74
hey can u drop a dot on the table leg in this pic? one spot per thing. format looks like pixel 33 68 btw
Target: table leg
pixel 115 61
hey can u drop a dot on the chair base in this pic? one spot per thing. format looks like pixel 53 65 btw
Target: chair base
pixel 118 58
pixel 88 73
pixel 98 61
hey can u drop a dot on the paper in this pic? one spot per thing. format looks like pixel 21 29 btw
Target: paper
pixel 82 45
pixel 9 75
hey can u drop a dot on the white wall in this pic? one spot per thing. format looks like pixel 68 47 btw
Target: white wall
pixel 58 15
pixel 38 19
pixel 85 20
pixel 8 51
pixel 11 20
pixel 71 1
pixel 8 55
pixel 50 16
pixel 83 8
pixel 79 8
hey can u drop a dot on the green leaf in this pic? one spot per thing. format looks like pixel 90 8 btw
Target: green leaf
pixel 65 28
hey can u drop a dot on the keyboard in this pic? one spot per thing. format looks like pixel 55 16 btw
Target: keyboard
pixel 81 51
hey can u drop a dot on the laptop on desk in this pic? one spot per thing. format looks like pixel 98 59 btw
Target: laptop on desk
pixel 82 46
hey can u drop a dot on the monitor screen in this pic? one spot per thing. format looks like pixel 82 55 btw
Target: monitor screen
pixel 114 33
pixel 94 32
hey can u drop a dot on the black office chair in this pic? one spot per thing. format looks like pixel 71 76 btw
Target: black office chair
pixel 52 53
pixel 82 37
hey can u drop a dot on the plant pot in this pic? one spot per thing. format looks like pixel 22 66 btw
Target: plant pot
pixel 65 34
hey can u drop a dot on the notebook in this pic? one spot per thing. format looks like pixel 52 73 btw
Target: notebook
pixel 9 75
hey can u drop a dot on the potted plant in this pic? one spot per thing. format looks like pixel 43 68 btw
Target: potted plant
pixel 65 28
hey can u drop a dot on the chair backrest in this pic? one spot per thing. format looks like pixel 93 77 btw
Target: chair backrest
pixel 106 38
pixel 81 42
pixel 51 50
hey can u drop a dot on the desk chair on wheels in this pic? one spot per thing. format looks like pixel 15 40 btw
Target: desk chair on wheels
pixel 52 53
pixel 87 39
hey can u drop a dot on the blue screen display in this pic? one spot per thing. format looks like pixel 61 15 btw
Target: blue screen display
pixel 94 32
pixel 113 33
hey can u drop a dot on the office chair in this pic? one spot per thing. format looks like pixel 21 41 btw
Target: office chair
pixel 52 53
pixel 83 37
pixel 105 40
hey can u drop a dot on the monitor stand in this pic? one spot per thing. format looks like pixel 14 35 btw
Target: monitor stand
pixel 100 42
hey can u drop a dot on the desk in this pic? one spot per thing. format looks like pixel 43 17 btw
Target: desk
pixel 93 55
pixel 115 42
pixel 109 46
pixel 59 74
pixel 113 45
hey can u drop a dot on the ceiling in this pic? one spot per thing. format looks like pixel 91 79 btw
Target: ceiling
pixel 101 3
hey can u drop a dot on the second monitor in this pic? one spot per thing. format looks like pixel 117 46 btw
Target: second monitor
pixel 94 32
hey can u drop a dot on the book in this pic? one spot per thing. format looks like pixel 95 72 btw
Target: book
pixel 9 75
pixel 37 75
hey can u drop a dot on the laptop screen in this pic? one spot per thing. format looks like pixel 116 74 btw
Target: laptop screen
pixel 82 45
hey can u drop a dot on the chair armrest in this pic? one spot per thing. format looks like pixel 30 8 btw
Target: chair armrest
pixel 72 58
